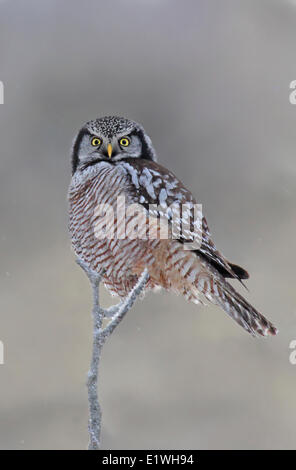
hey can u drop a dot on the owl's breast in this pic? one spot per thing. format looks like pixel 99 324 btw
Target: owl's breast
pixel 97 200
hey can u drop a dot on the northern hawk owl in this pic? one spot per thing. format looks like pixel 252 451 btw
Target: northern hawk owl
pixel 114 170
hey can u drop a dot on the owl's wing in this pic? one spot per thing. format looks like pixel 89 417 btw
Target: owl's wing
pixel 163 195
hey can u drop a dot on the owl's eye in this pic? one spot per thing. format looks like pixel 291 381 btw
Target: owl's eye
pixel 95 142
pixel 124 141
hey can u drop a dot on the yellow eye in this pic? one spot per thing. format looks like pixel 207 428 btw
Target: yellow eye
pixel 95 141
pixel 124 141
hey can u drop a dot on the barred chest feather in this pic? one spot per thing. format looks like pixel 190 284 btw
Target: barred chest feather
pixel 121 259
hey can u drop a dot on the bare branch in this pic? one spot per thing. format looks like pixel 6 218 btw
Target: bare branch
pixel 127 304
pixel 110 312
pixel 100 334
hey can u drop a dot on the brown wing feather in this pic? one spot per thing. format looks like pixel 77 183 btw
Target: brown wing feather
pixel 181 195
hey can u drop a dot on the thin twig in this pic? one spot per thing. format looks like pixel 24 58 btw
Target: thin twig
pixel 100 334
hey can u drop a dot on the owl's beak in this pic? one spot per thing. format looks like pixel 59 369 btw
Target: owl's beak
pixel 109 150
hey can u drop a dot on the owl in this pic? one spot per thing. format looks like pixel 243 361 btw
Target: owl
pixel 125 214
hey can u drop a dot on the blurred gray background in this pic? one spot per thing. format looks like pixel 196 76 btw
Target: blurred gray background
pixel 209 80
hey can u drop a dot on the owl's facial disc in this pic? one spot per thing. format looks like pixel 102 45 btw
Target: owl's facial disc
pixel 93 149
pixel 110 138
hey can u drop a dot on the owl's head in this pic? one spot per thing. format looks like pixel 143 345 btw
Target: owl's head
pixel 110 138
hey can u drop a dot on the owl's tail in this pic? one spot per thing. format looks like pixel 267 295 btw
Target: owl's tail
pixel 218 291
pixel 195 279
pixel 242 311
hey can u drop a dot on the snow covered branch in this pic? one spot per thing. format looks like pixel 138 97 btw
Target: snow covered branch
pixel 100 333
